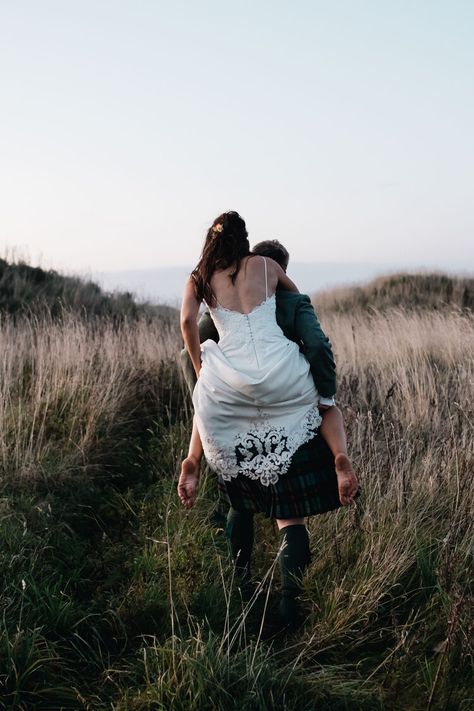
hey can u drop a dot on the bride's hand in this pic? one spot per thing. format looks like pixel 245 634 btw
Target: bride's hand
pixel 188 481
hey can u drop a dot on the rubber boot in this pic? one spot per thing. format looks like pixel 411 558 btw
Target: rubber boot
pixel 294 559
pixel 239 531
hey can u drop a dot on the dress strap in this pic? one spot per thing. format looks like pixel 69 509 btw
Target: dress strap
pixel 266 277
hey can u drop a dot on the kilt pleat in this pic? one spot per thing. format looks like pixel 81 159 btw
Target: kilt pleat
pixel 309 486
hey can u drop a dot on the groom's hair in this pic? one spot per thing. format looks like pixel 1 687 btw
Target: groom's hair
pixel 275 250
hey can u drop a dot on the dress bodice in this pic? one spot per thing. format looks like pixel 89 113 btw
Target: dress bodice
pixel 248 335
pixel 258 320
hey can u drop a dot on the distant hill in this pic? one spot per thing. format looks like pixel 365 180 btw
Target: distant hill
pixel 412 291
pixel 25 289
pixel 165 284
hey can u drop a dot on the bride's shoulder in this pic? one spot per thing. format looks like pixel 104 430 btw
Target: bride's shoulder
pixel 273 265
pixel 255 261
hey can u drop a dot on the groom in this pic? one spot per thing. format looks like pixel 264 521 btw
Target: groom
pixel 296 317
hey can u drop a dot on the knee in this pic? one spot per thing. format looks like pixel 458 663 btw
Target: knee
pixel 284 522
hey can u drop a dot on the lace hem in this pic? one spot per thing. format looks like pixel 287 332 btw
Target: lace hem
pixel 264 452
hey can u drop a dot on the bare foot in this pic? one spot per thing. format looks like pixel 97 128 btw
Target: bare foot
pixel 347 483
pixel 188 480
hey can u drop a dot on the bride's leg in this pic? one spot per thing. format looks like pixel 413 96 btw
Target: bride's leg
pixel 195 444
pixel 294 559
pixel 188 479
pixel 332 430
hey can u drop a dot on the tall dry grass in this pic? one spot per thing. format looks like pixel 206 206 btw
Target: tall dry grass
pixel 406 388
pixel 131 605
pixel 63 383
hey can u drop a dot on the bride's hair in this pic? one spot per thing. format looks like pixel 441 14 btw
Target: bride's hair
pixel 225 245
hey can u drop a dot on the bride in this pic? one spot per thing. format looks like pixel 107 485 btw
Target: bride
pixel 255 401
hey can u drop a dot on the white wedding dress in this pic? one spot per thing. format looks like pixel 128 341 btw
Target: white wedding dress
pixel 255 401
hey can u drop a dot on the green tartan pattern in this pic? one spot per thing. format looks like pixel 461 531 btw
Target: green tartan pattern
pixel 309 486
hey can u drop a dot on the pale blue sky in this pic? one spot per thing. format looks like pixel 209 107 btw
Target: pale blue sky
pixel 344 128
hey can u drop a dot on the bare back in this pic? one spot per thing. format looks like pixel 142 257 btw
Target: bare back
pixel 257 279
pixel 250 290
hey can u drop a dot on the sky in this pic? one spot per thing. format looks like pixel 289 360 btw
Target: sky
pixel 344 129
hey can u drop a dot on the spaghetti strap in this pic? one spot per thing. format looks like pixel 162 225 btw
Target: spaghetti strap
pixel 266 278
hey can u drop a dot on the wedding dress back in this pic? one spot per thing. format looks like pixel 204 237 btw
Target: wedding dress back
pixel 255 401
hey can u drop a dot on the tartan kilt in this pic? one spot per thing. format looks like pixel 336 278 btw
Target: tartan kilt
pixel 309 486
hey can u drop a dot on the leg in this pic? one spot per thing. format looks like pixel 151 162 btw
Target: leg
pixel 294 559
pixel 188 479
pixel 195 444
pixel 283 522
pixel 218 516
pixel 332 429
pixel 240 532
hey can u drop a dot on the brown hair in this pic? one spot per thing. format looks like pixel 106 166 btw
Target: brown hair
pixel 275 250
pixel 225 245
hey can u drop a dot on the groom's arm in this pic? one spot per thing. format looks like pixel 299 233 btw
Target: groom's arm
pixel 207 331
pixel 316 347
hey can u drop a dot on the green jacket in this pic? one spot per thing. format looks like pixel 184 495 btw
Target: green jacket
pixel 297 319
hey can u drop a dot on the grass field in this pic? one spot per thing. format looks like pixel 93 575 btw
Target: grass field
pixel 113 597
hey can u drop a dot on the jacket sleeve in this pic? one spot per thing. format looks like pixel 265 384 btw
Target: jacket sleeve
pixel 316 347
pixel 207 331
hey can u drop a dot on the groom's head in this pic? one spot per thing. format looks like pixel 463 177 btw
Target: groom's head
pixel 275 250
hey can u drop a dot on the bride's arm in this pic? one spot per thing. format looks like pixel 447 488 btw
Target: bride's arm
pixel 284 282
pixel 189 326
